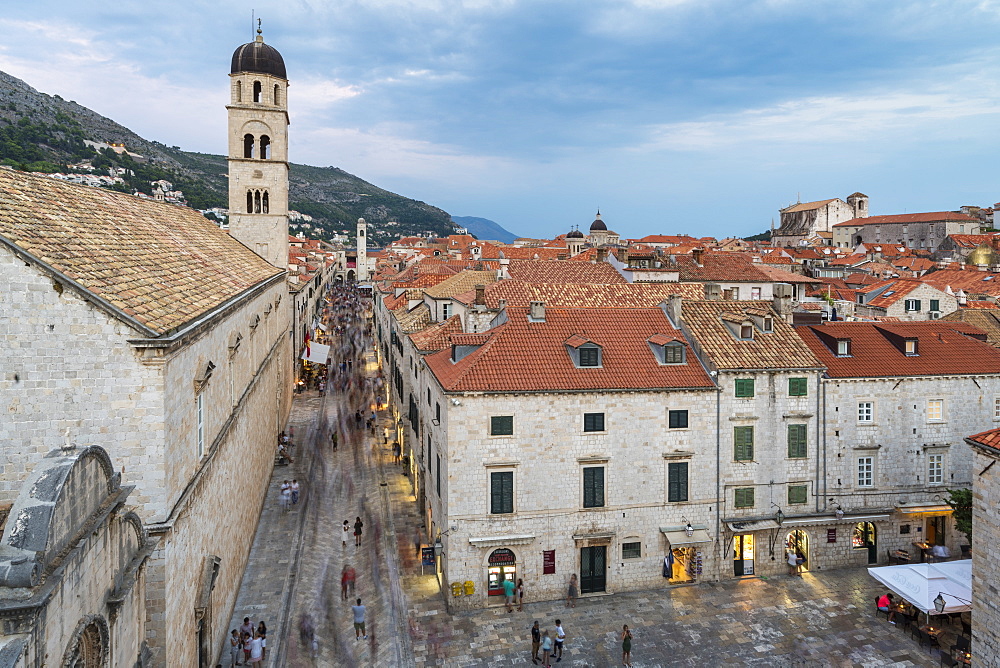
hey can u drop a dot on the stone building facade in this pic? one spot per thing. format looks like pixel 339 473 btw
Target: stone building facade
pixel 906 300
pixel 922 231
pixel 804 220
pixel 985 565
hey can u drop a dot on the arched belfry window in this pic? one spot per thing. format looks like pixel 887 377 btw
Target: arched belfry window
pixel 249 201
pixel 277 94
pixel 239 91
pixel 248 146
pixel 256 202
pixel 256 91
pixel 264 202
pixel 265 147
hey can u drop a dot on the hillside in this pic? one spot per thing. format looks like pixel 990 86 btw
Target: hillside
pixel 484 228
pixel 40 132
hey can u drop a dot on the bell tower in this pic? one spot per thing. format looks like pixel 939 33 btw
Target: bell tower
pixel 362 261
pixel 258 150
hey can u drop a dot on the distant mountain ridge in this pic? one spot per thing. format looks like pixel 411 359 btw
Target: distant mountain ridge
pixel 484 228
pixel 40 132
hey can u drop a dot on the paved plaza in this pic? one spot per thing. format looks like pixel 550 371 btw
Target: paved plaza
pixel 821 619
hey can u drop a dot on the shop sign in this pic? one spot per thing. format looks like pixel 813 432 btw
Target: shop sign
pixel 548 562
pixel 427 556
pixel 502 557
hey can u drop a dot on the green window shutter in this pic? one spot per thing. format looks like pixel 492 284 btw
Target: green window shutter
pixel 502 425
pixel 677 482
pixel 744 497
pixel 743 444
pixel 677 419
pixel 502 492
pixel 593 421
pixel 798 387
pixel 798 494
pixel 744 387
pixel 916 303
pixel 797 446
pixel 935 304
pixel 593 487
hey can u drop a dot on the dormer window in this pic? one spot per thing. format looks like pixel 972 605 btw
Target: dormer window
pixel 668 349
pixel 673 354
pixel 768 325
pixel 910 346
pixel 746 331
pixel 843 347
pixel 590 355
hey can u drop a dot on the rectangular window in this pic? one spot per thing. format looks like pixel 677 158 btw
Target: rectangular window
pixel 935 304
pixel 590 357
pixel 798 387
pixel 910 346
pixel 439 476
pixel 798 494
pixel 677 481
pixel 445 310
pixel 673 354
pixel 437 412
pixel 200 403
pixel 935 469
pixel 844 347
pixel 501 492
pixel 866 411
pixel 593 487
pixel 996 408
pixel 679 419
pixel 631 550
pixel 797 448
pixel 593 421
pixel 502 425
pixel 744 387
pixel 743 444
pixel 754 293
pixel 744 497
pixel 935 410
pixel 866 471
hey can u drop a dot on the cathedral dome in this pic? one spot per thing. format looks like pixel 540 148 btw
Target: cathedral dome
pixel 598 224
pixel 575 234
pixel 258 58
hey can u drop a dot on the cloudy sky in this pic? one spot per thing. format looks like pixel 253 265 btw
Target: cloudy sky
pixel 697 116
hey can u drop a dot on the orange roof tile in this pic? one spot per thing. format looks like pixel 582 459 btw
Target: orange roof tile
pixel 989 439
pixel 437 337
pixel 562 271
pixel 928 217
pixel 583 295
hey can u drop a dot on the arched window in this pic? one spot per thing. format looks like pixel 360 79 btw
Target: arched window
pixel 264 202
pixel 248 146
pixel 256 91
pixel 256 202
pixel 277 94
pixel 265 147
pixel 239 91
pixel 249 201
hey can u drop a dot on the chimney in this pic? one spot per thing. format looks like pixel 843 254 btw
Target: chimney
pixel 501 304
pixel 502 272
pixel 602 255
pixel 674 309
pixel 480 295
pixel 696 254
pixel 536 312
pixel 713 292
pixel 783 299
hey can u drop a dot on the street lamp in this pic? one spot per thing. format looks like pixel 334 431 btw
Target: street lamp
pixel 939 602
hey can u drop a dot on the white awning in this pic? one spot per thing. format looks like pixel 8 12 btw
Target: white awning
pixel 680 538
pixel 317 353
pixel 930 509
pixel 752 525
pixel 833 519
pixel 920 584
pixel 494 541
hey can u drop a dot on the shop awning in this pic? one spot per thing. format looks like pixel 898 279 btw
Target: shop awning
pixel 752 525
pixel 920 584
pixel 833 519
pixel 930 510
pixel 678 537
pixel 494 541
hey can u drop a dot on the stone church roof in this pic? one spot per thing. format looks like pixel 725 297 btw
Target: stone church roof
pixel 160 265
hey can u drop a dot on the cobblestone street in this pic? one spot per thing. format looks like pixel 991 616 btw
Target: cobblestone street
pixel 823 619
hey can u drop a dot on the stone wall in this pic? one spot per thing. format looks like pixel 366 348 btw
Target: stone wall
pixel 985 565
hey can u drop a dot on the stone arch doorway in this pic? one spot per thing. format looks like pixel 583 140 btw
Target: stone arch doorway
pixel 797 541
pixel 89 647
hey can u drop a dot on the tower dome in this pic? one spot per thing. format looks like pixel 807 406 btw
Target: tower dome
pixel 575 234
pixel 598 224
pixel 259 58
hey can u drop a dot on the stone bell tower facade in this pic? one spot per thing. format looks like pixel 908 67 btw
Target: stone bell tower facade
pixel 362 262
pixel 258 151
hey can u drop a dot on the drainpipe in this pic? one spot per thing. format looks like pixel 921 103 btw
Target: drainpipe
pixel 825 477
pixel 718 475
pixel 819 407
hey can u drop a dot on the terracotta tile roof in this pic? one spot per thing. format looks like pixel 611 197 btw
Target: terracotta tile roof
pixel 929 217
pixel 892 291
pixel 979 304
pixel 415 319
pixel 562 271
pixel 987 320
pixel 973 282
pixel 728 267
pixel 780 349
pixel 586 255
pixel 990 439
pixel 808 206
pixel 782 276
pixel 437 337
pixel 582 295
pixel 945 348
pixel 492 252
pixel 162 264
pixel 522 356
pixel 422 281
pixel 393 302
pixel 459 283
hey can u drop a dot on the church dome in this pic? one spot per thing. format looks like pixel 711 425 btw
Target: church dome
pixel 598 224
pixel 258 58
pixel 575 234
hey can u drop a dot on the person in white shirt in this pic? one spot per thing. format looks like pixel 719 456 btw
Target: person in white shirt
pixel 560 639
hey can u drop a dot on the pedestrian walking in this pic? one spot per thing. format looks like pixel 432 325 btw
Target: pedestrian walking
pixel 626 646
pixel 256 651
pixel 560 640
pixel 285 494
pixel 262 632
pixel 334 438
pixel 417 543
pixel 396 452
pixel 536 642
pixel 359 621
pixel 358 525
pixel 573 592
pixel 509 589
pixel 235 649
pixel 347 529
pixel 546 649
pixel 247 627
pixel 793 563
pixel 520 595
pixel 351 577
pixel 343 584
pixel 295 491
